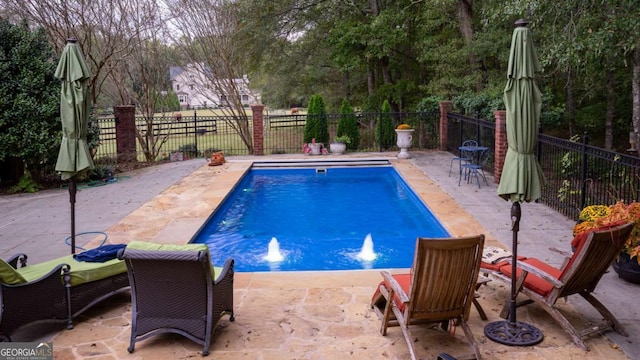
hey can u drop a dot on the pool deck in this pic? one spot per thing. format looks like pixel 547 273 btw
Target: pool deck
pixel 321 315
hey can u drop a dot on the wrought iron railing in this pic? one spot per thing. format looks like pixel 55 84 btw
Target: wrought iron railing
pixel 199 136
pixel 577 174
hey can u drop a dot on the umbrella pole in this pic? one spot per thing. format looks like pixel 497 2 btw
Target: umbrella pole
pixel 73 188
pixel 516 215
pixel 512 332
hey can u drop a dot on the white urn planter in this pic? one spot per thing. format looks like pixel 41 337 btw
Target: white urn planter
pixel 405 138
pixel 338 148
pixel 315 148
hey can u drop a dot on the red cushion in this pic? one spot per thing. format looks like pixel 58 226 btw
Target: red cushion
pixel 579 239
pixel 532 281
pixel 404 280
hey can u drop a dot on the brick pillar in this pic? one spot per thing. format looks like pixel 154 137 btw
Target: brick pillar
pixel 125 133
pixel 445 107
pixel 501 144
pixel 258 129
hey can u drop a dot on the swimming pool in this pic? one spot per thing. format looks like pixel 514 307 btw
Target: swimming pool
pixel 319 218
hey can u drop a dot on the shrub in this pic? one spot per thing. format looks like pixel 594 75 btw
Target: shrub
pixel 385 134
pixel 25 184
pixel 29 99
pixel 345 139
pixel 317 126
pixel 348 125
pixel 480 105
pixel 429 104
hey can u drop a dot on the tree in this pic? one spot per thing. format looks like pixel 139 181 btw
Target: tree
pixel 211 37
pixel 348 124
pixel 144 81
pixel 107 30
pixel 385 134
pixel 362 50
pixel 311 125
pixel 316 126
pixel 120 40
pixel 30 129
pixel 588 48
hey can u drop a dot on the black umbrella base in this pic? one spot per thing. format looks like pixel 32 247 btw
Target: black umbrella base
pixel 513 333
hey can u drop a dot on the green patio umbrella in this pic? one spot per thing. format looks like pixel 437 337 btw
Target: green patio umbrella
pixel 522 177
pixel 74 157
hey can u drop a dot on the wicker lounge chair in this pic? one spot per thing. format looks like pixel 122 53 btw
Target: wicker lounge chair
pixel 441 288
pixel 175 289
pixel 544 284
pixel 54 291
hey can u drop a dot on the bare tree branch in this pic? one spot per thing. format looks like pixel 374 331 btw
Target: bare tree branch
pixel 210 37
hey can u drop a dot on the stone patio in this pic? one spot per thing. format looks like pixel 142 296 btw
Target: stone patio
pixel 302 315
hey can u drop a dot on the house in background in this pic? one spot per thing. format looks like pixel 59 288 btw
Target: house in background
pixel 193 86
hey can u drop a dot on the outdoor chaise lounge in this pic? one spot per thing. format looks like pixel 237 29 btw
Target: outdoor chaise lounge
pixel 544 284
pixel 440 288
pixel 175 289
pixel 55 290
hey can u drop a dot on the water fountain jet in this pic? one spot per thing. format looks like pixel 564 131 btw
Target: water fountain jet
pixel 274 254
pixel 367 253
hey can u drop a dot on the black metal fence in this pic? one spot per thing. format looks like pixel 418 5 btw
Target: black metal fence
pixel 577 174
pixel 194 136
pixel 460 128
pixel 199 136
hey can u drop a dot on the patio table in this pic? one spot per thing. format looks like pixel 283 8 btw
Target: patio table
pixel 475 153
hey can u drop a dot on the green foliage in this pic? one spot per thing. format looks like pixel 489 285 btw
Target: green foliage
pixel 399 50
pixel 317 126
pixel 571 161
pixel 570 167
pixel 93 135
pixel 372 104
pixel 168 102
pixel 429 104
pixel 322 134
pixel 348 125
pixel 479 105
pixel 25 185
pixel 100 172
pixel 385 134
pixel 311 125
pixel 552 117
pixel 30 98
pixel 345 139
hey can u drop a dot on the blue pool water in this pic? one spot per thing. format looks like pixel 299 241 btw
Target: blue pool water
pixel 320 220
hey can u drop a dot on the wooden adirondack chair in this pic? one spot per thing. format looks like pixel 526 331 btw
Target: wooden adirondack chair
pixel 440 288
pixel 544 284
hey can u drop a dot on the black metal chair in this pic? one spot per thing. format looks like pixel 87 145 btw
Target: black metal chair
pixel 474 167
pixel 464 157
